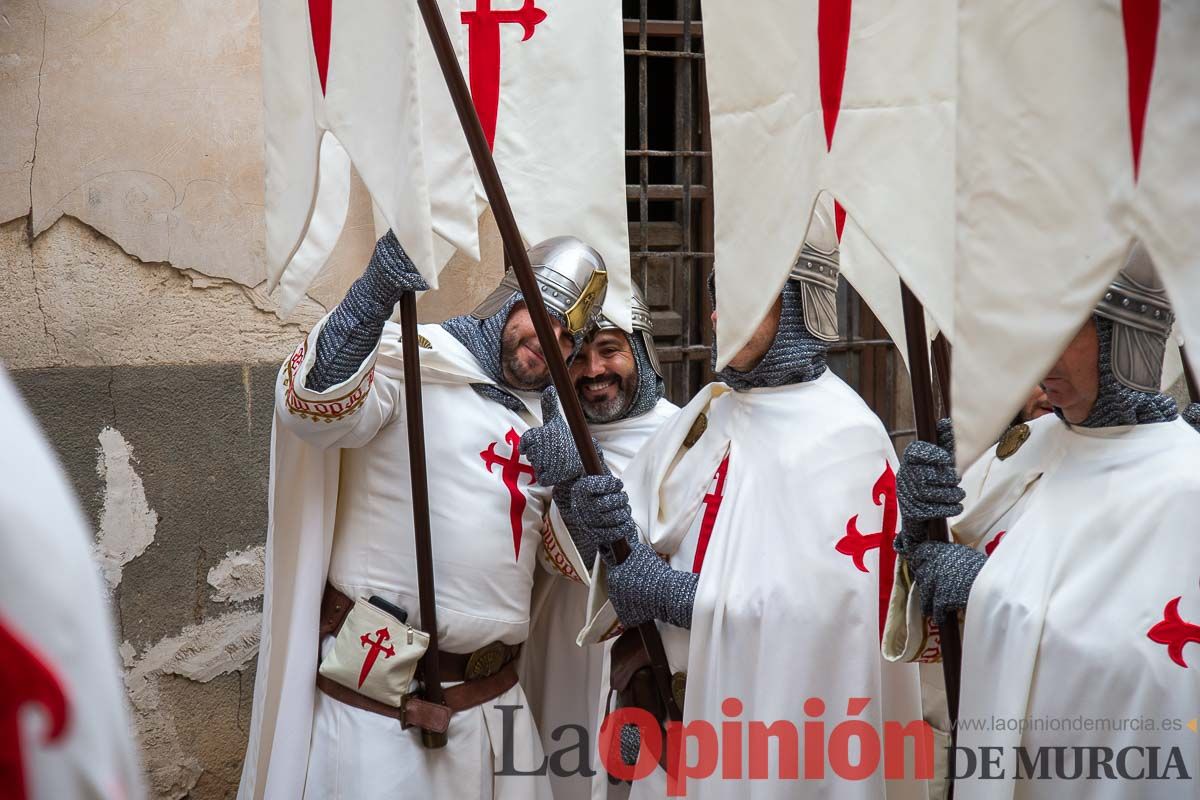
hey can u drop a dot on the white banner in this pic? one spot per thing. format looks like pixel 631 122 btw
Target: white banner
pixel 1079 130
pixel 816 95
pixel 548 81
pixel 358 84
pixel 343 84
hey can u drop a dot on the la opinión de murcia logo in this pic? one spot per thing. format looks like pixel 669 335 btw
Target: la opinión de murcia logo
pixel 852 749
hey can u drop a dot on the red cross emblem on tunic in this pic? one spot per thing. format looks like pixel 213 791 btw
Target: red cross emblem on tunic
pixel 1175 632
pixel 511 470
pixel 25 678
pixel 856 544
pixel 712 504
pixel 483 53
pixel 374 648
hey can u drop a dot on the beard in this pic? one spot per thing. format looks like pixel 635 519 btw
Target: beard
pixel 517 373
pixel 606 410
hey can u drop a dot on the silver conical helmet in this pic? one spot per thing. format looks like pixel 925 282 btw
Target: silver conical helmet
pixel 642 326
pixel 817 271
pixel 572 278
pixel 1136 302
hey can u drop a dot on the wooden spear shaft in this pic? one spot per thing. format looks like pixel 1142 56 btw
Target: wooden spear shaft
pixel 514 248
pixel 1189 377
pixel 418 475
pixel 923 408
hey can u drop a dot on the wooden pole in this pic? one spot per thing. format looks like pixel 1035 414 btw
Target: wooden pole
pixel 926 417
pixel 1189 377
pixel 941 366
pixel 420 507
pixel 514 248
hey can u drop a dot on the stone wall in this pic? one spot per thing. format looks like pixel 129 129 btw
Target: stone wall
pixel 135 320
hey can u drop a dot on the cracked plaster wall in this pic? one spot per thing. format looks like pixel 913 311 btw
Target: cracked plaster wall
pixel 134 318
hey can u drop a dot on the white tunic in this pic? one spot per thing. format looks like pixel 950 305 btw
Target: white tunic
pixel 341 512
pixel 783 613
pixel 64 727
pixel 567 684
pixel 1099 538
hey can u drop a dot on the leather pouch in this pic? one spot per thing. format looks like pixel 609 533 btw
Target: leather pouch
pixel 375 654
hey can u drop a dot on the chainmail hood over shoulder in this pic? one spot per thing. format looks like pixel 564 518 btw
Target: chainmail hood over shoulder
pixel 1117 404
pixel 795 356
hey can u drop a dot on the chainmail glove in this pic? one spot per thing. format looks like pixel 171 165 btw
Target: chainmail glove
pixel 643 588
pixel 600 508
pixel 354 327
pixel 927 488
pixel 550 448
pixel 631 744
pixel 927 483
pixel 944 572
pixel 1191 415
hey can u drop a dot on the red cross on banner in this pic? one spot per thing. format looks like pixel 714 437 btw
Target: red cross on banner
pixel 483 43
pixel 511 470
pixel 1141 39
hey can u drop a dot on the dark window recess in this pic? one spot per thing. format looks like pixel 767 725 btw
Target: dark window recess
pixel 668 169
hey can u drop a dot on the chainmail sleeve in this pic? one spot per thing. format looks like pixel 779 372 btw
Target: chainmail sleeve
pixel 354 327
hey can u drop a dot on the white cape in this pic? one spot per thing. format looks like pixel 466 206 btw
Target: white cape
pixel 781 614
pixel 302 505
pixel 64 724
pixel 1092 537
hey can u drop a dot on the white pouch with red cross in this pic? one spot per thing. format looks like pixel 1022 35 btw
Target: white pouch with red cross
pixel 375 654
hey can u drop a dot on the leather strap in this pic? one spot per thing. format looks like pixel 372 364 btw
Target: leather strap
pixel 418 712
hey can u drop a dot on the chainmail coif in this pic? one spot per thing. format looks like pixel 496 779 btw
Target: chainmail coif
pixel 1117 404
pixel 650 388
pixel 483 337
pixel 795 356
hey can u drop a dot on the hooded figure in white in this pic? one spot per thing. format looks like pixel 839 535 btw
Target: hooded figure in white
pixel 1078 566
pixel 754 518
pixel 341 537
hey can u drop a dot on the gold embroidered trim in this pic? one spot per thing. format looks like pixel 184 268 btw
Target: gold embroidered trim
pixel 326 410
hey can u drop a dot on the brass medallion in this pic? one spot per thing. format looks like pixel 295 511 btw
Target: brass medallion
pixel 1012 440
pixel 485 662
pixel 697 430
pixel 679 688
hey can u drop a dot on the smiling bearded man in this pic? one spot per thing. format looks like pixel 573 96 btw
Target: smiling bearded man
pixel 620 386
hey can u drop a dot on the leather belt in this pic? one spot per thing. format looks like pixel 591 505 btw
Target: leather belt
pixel 482 675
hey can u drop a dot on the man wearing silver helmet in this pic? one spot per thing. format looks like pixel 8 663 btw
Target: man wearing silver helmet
pixel 1075 561
pixel 338 658
pixel 620 386
pixel 747 516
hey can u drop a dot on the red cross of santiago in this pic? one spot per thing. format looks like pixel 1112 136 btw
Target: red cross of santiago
pixel 375 647
pixel 511 470
pixel 1175 632
pixel 483 49
pixel 26 678
pixel 856 544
